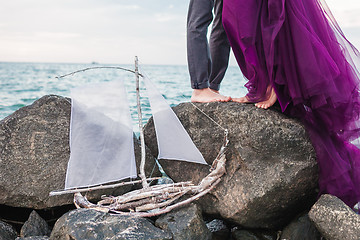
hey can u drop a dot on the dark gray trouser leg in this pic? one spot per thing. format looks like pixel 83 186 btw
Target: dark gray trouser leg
pixel 203 73
pixel 219 48
pixel 198 53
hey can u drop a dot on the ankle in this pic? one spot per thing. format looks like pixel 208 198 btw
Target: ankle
pixel 200 91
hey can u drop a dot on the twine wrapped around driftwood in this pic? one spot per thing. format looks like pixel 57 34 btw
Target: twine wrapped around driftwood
pixel 159 199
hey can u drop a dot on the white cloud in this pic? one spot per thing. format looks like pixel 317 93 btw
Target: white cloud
pixel 346 12
pixel 336 5
pixel 57 35
pixel 130 6
pixel 112 31
pixel 347 18
pixel 164 17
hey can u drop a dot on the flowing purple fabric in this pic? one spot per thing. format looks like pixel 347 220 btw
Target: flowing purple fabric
pixel 296 47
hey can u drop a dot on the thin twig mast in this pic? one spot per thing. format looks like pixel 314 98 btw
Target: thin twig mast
pixel 143 153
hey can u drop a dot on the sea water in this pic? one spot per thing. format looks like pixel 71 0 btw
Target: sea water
pixel 23 83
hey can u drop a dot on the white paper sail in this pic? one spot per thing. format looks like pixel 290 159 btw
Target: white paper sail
pixel 173 141
pixel 101 136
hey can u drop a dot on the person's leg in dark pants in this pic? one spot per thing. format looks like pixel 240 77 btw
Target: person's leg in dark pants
pixel 199 59
pixel 219 48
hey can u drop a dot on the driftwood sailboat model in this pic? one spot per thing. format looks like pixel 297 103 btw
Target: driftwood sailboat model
pixel 102 151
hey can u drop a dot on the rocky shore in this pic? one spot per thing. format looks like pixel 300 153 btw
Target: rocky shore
pixel 268 192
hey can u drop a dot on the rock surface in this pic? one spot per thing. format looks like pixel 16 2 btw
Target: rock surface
pixel 34 151
pixel 271 164
pixel 185 224
pixel 89 224
pixel 218 229
pixel 253 235
pixel 33 238
pixel 35 226
pixel 301 229
pixel 334 219
pixel 7 232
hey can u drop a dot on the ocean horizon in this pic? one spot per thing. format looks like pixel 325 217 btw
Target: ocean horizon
pixel 22 83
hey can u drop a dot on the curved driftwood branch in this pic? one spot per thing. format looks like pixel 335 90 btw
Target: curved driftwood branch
pixel 81 202
pixel 107 186
pixel 93 68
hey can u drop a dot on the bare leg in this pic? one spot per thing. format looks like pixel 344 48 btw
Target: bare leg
pixel 208 95
pixel 270 101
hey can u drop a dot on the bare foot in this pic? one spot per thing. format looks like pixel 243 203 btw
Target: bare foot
pixel 241 99
pixel 269 102
pixel 208 95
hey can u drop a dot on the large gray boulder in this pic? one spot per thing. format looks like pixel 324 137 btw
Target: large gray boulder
pixel 91 224
pixel 271 164
pixel 34 152
pixel 334 219
pixel 185 224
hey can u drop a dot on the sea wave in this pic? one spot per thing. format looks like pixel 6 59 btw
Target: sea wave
pixel 23 83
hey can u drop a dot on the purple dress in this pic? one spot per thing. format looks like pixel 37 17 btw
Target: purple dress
pixel 296 47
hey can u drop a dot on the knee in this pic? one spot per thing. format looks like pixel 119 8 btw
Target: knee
pixel 198 26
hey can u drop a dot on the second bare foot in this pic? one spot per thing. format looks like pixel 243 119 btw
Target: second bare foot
pixel 241 100
pixel 269 102
pixel 208 95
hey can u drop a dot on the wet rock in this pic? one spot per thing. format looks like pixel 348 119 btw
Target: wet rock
pixel 34 152
pixel 334 219
pixel 7 232
pixel 35 226
pixel 301 229
pixel 90 224
pixel 271 164
pixel 185 224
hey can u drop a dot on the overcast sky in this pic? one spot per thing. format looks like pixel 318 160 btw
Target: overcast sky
pixel 112 31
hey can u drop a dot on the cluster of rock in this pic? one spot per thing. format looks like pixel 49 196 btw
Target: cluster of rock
pixel 267 192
